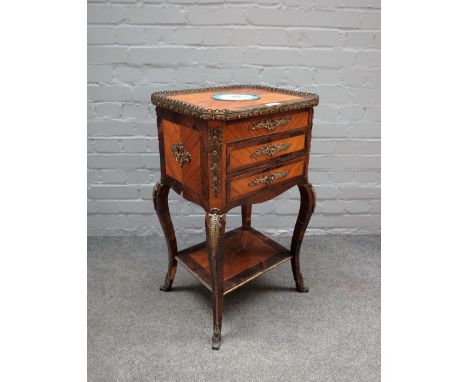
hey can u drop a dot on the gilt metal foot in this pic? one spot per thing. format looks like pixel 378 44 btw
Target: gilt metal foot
pixel 216 339
pixel 300 285
pixel 167 286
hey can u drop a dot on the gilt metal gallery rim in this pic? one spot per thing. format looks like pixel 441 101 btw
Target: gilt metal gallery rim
pixel 160 99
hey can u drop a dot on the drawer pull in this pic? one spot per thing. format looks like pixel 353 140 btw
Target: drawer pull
pixel 269 178
pixel 270 124
pixel 270 150
pixel 181 155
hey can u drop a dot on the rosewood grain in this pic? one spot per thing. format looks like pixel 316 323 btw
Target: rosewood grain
pixel 220 155
pixel 262 151
pixel 247 255
pixel 251 127
pixel 176 135
pixel 251 182
pixel 246 211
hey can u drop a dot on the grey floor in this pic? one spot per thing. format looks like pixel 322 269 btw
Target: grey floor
pixel 270 332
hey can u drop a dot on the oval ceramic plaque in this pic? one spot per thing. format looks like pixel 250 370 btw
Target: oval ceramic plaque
pixel 235 97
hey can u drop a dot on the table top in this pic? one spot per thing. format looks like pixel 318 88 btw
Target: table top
pixel 199 103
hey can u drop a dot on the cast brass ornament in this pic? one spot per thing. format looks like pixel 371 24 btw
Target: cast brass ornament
pixel 216 339
pixel 214 217
pixel 156 189
pixel 181 155
pixel 270 124
pixel 270 150
pixel 215 147
pixel 269 178
pixel 300 284
pixel 159 99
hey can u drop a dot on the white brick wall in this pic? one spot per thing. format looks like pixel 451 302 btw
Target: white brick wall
pixel 331 47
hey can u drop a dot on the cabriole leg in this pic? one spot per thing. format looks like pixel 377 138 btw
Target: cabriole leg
pixel 160 193
pixel 305 212
pixel 215 223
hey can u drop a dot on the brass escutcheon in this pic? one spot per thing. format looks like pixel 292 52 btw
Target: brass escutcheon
pixel 181 155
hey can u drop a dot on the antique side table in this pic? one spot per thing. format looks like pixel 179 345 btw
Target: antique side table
pixel 225 147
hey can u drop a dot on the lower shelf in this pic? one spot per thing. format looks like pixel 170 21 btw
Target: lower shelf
pixel 247 255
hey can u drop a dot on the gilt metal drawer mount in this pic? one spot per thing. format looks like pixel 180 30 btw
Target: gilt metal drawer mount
pixel 269 178
pixel 270 150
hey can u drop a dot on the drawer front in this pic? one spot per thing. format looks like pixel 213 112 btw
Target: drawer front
pixel 262 153
pixel 255 127
pixel 246 184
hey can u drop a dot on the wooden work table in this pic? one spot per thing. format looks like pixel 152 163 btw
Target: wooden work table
pixel 221 154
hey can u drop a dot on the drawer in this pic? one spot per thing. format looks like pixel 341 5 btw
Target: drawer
pixel 261 152
pixel 258 126
pixel 260 180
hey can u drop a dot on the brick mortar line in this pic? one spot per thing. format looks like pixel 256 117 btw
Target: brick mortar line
pixel 221 26
pixel 201 47
pixel 232 5
pixel 246 26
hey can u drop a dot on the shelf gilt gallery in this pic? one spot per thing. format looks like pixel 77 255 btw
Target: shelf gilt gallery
pixel 226 147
